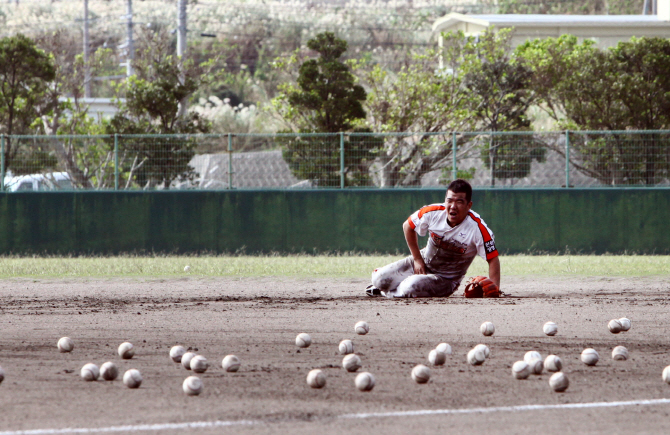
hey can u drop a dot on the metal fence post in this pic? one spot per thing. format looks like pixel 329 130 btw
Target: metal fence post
pixel 230 161
pixel 454 169
pixel 567 158
pixel 2 162
pixel 341 160
pixel 116 161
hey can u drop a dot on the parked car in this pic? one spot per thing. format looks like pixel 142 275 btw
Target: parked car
pixel 38 182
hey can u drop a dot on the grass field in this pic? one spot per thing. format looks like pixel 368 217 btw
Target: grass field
pixel 342 266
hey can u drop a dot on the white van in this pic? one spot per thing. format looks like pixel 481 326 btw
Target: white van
pixel 38 182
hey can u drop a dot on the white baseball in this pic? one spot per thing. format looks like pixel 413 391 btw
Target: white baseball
pixel 365 381
pixel 362 327
pixel 199 364
pixel 620 353
pixel 559 382
pixel 176 352
pixel 90 372
pixel 553 363
pixel 2 375
pixel 346 347
pixel 487 329
pixel 590 357
pixel 132 378
pixel 476 357
pixel 421 374
pixel 316 378
pixel 484 348
pixel 192 386
pixel 186 360
pixel 437 358
pixel 230 363
pixel 444 347
pixel 109 371
pixel 303 340
pixel 126 350
pixel 666 375
pixel 65 344
pixel 520 370
pixel 550 328
pixel 536 366
pixel 532 354
pixel 625 324
pixel 615 326
pixel 187 269
pixel 351 362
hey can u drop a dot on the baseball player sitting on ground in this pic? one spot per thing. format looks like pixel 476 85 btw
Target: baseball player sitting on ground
pixel 456 235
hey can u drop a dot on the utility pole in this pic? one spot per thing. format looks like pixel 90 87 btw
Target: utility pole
pixel 181 50
pixel 129 40
pixel 87 69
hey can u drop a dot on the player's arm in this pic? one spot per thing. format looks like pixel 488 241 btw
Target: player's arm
pixel 494 270
pixel 413 245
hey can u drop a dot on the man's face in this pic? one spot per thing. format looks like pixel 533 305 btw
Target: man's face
pixel 457 207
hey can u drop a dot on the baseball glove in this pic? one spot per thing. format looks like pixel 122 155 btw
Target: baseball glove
pixel 481 287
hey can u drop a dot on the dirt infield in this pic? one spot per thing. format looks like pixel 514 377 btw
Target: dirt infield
pixel 258 319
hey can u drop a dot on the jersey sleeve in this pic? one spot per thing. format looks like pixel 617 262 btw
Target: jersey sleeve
pixel 486 245
pixel 420 220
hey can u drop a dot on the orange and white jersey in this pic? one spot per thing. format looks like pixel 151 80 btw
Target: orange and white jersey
pixel 450 250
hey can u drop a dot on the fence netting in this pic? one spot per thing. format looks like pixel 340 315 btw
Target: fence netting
pixel 335 160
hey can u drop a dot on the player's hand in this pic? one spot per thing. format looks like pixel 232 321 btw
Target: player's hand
pixel 419 267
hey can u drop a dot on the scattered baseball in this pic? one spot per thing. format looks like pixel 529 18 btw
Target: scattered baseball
pixel 421 374
pixel 625 324
pixel 666 375
pixel 351 362
pixel 620 353
pixel 365 381
pixel 559 382
pixel 65 344
pixel 550 328
pixel 362 327
pixel 615 326
pixel 90 372
pixel 176 353
pixel 316 379
pixel 230 363
pixel 590 357
pixel 2 375
pixel 444 347
pixel 536 366
pixel 187 269
pixel 484 348
pixel 437 358
pixel 126 350
pixel 109 371
pixel 532 354
pixel 553 363
pixel 132 378
pixel 303 340
pixel 346 347
pixel 192 386
pixel 487 329
pixel 476 357
pixel 186 360
pixel 199 364
pixel 520 370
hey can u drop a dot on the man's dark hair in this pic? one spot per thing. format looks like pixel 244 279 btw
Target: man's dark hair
pixel 461 186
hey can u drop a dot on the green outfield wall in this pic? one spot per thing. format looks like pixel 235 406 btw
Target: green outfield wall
pixel 551 220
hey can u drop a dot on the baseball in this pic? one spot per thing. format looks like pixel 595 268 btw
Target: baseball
pixel 520 370
pixel 176 353
pixel 65 344
pixel 553 363
pixel 126 350
pixel 132 378
pixel 615 326
pixel 303 340
pixel 620 353
pixel 536 366
pixel 625 324
pixel 351 362
pixel 590 357
pixel 532 354
pixel 362 327
pixel 316 379
pixel 421 374
pixel 346 347
pixel 187 269
pixel 484 348
pixel 437 358
pixel 559 382
pixel 2 375
pixel 186 360
pixel 199 364
pixel 109 371
pixel 444 347
pixel 90 372
pixel 487 329
pixel 666 375
pixel 365 381
pixel 550 328
pixel 476 357
pixel 192 386
pixel 230 363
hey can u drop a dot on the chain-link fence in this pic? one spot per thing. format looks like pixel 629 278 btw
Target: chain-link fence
pixel 335 160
